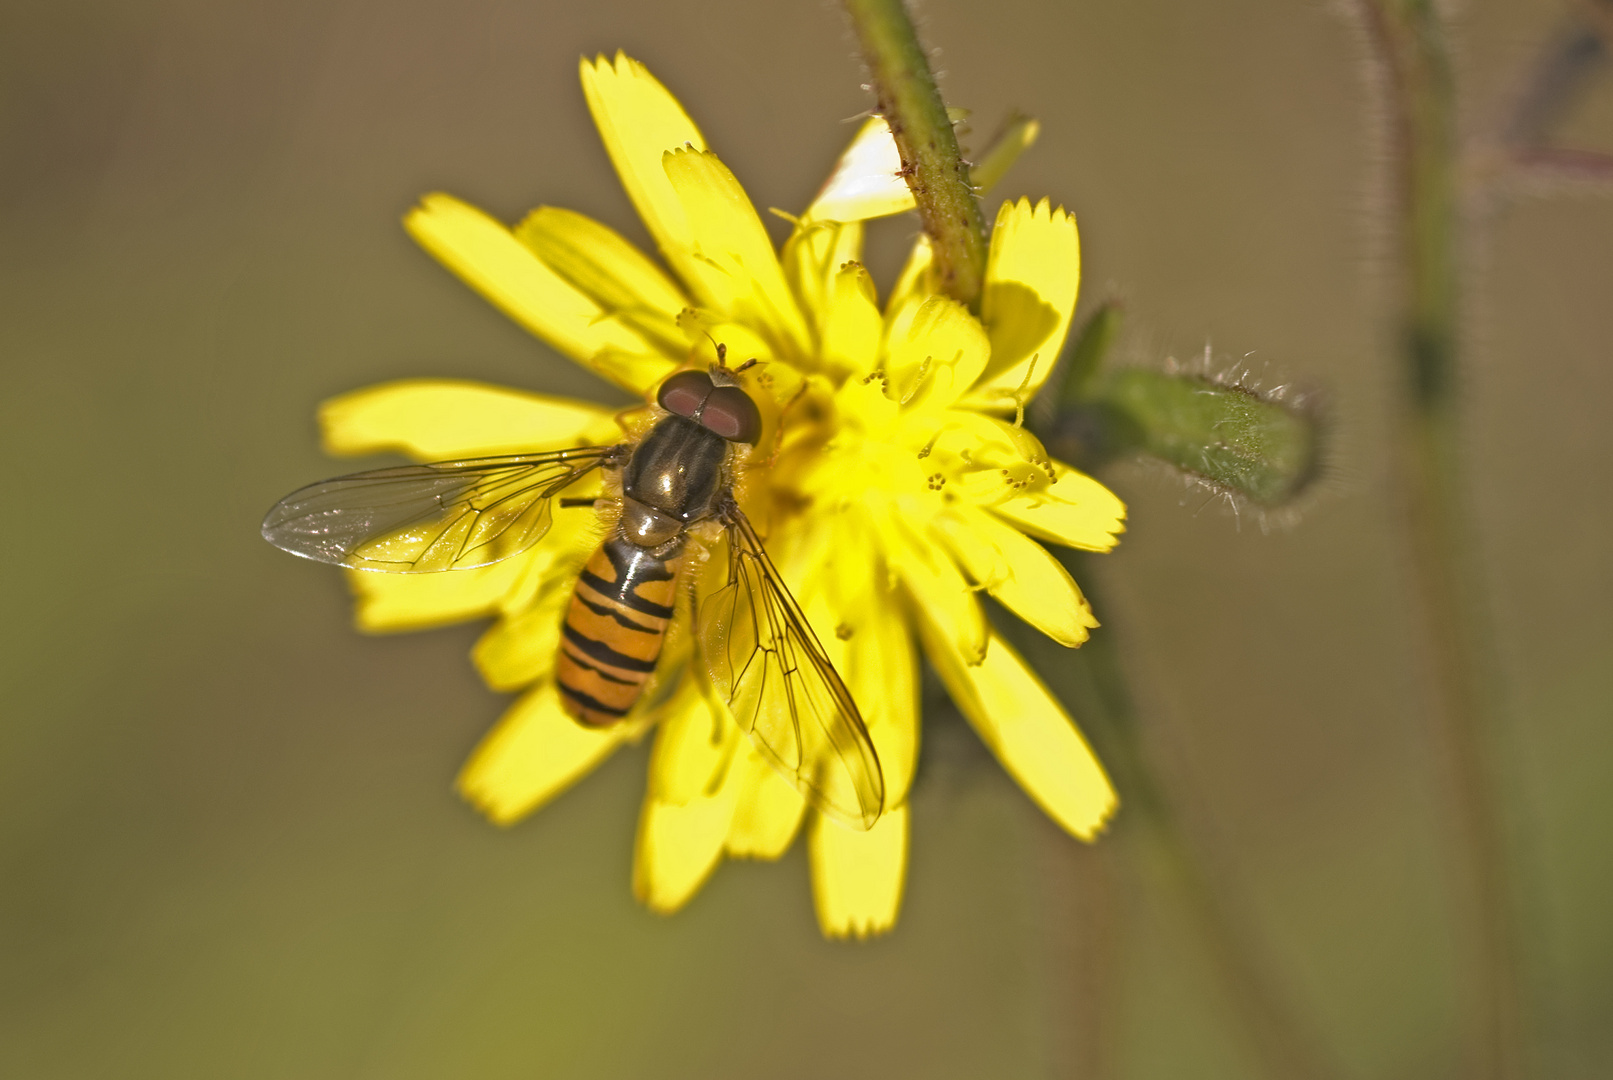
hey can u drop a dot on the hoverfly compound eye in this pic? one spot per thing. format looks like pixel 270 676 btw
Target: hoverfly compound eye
pixel 684 393
pixel 731 413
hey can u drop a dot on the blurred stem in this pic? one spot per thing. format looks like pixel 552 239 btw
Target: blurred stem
pixel 1428 456
pixel 908 99
pixel 1017 134
pixel 1554 83
pixel 1093 681
pixel 1558 166
pixel 1084 356
pixel 1559 75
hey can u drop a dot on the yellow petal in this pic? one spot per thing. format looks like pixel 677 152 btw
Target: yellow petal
pixel 1029 732
pixel 694 749
pixel 1018 571
pixel 1075 510
pixel 387 603
pixel 734 268
pixel 812 256
pixel 393 602
pixel 937 356
pixel 862 624
pixel 534 753
pixel 913 285
pixel 857 877
pixel 438 419
pixel 635 371
pixel 557 559
pixel 863 409
pixel 984 457
pixel 602 263
pixel 851 321
pixel 521 648
pixel 882 674
pixel 936 588
pixel 1033 272
pixel 493 262
pixel 678 846
pixel 638 121
pixel 867 181
pixel 767 810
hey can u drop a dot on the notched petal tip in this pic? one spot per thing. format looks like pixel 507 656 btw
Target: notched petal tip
pixel 638 120
pixel 732 264
pixel 858 877
pixel 1033 275
pixel 1031 735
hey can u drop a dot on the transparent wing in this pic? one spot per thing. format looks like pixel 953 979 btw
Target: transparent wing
pixel 781 687
pixel 420 519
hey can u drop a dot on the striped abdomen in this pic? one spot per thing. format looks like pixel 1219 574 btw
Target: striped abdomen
pixel 612 636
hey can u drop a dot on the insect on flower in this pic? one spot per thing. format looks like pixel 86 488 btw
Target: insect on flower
pixel 875 443
pixel 675 480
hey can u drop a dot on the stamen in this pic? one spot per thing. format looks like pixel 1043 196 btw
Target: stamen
pixel 1020 394
pixel 918 380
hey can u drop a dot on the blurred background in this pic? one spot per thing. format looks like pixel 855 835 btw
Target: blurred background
pixel 228 843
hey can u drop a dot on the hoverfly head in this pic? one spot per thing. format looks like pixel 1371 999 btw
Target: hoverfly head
pixel 721 407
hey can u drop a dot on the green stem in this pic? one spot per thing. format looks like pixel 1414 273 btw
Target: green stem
pixel 1428 458
pixel 1093 681
pixel 907 98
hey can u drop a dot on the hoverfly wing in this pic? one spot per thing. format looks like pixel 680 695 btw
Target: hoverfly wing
pixel 421 519
pixel 783 690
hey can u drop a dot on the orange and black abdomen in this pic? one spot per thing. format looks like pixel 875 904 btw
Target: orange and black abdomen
pixel 614 628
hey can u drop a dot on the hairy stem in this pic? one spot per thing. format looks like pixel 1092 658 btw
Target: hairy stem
pixel 1428 458
pixel 907 98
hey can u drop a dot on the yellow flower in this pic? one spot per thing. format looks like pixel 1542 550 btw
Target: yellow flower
pixel 901 484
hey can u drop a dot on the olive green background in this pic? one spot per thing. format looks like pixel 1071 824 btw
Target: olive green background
pixel 228 844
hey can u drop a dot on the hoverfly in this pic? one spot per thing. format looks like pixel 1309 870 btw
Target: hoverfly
pixel 755 643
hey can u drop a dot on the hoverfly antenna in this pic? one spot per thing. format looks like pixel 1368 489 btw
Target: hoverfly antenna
pixel 721 373
pixel 722 349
